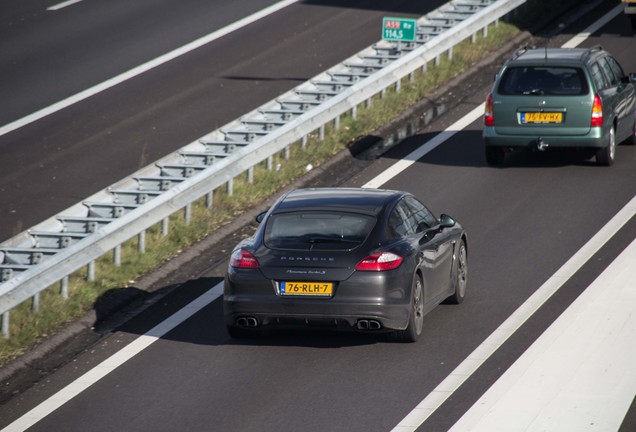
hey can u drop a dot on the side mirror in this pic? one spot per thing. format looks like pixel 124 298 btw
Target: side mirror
pixel 260 217
pixel 446 221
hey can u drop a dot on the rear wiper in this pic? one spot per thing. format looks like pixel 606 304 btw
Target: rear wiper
pixel 314 240
pixel 534 92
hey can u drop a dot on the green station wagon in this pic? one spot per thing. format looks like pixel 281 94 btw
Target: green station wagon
pixel 560 97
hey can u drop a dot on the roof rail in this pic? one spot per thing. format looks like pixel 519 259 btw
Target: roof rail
pixel 591 50
pixel 520 51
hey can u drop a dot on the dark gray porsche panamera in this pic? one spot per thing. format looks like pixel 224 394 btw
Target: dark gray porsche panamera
pixel 362 259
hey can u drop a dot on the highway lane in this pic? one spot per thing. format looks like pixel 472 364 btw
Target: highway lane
pixel 49 55
pixel 51 164
pixel 524 221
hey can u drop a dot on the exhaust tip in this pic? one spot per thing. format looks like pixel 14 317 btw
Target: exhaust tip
pixel 247 322
pixel 374 325
pixel 365 324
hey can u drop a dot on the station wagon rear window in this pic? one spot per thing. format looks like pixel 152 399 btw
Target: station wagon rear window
pixel 317 230
pixel 543 80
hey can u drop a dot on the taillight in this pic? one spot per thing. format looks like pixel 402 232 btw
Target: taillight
pixel 243 259
pixel 597 112
pixel 380 262
pixel 489 117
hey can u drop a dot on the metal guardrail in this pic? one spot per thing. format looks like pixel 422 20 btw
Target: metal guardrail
pixel 52 250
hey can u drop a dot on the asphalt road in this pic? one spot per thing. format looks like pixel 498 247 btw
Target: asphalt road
pixel 47 56
pixel 524 222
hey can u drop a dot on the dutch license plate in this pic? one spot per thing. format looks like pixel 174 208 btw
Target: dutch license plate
pixel 542 117
pixel 306 288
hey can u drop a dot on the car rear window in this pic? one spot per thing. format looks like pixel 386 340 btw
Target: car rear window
pixel 317 230
pixel 543 80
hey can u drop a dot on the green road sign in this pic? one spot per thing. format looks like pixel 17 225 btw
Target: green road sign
pixel 399 29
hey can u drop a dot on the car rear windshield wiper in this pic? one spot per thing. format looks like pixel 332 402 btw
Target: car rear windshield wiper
pixel 314 240
pixel 534 92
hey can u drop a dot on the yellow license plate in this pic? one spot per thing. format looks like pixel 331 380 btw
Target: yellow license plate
pixel 542 117
pixel 306 288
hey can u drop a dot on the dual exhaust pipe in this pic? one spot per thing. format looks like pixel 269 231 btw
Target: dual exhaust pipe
pixel 365 324
pixel 247 322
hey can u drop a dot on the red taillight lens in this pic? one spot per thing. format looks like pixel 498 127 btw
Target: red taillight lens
pixel 489 117
pixel 380 262
pixel 597 112
pixel 243 259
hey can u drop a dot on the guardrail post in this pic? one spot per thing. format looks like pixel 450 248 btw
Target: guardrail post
pixel 398 85
pixel 437 61
pixel 303 142
pixel 473 38
pixel 117 255
pixel 270 163
pixel 287 152
pixel 165 226
pixel 354 112
pixel 450 54
pixel 187 213
pixel 367 103
pixel 250 175
pixel 64 287
pixel 35 302
pixel 90 271
pixel 336 123
pixel 209 199
pixel 321 133
pixel 5 325
pixel 230 187
pixel 486 31
pixel 141 247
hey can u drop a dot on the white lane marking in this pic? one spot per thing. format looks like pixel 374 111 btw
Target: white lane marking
pixel 114 361
pixel 593 28
pixel 62 5
pixel 144 67
pixel 465 369
pixel 425 148
pixel 579 375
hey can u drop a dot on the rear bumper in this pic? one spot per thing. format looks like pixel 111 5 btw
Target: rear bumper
pixel 596 138
pixel 384 298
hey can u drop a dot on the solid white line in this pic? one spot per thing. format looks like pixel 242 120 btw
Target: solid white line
pixel 579 375
pixel 62 5
pixel 447 387
pixel 144 67
pixel 425 148
pixel 593 28
pixel 465 369
pixel 113 362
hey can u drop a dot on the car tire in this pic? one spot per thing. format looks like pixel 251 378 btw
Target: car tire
pixel 495 156
pixel 416 317
pixel 460 276
pixel 605 156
